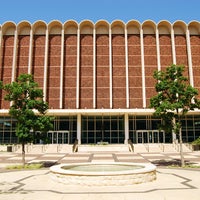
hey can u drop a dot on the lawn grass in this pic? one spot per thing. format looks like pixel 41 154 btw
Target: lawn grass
pixel 27 166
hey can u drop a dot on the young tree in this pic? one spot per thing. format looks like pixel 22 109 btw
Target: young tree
pixel 175 97
pixel 28 108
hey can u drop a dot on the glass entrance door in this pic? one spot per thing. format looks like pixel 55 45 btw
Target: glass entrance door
pixel 150 136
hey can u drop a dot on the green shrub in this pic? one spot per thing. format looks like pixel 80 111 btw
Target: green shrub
pixel 197 141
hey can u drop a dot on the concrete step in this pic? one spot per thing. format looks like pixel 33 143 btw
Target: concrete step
pixel 65 148
pixel 104 148
pixel 139 148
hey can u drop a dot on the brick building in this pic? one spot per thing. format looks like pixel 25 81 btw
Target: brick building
pixel 97 77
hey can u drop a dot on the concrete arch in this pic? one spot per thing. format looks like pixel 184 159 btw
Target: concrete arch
pixel 70 27
pixel 8 28
pixel 118 27
pixel 102 27
pixel 86 27
pixel 179 27
pixel 39 28
pixel 133 27
pixel 149 27
pixel 194 28
pixel 55 27
pixel 24 28
pixel 164 27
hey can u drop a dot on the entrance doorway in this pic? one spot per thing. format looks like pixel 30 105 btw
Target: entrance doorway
pixel 59 137
pixel 150 136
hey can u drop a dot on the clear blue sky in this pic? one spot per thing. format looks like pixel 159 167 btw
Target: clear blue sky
pixel 94 10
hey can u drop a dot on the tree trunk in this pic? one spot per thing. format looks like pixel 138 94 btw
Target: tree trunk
pixel 23 154
pixel 181 148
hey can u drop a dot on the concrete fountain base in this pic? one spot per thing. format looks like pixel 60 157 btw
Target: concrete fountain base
pixel 103 174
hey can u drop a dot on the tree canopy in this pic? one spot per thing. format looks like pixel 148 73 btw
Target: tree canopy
pixel 174 98
pixel 27 107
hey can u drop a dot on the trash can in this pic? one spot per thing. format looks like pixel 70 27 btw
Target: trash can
pixel 9 148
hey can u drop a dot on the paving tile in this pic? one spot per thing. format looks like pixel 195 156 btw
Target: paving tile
pixel 53 155
pixel 39 161
pixel 20 158
pixel 102 155
pixel 74 158
pixel 152 154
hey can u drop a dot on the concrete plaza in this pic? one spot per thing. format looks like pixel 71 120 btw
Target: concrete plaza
pixel 171 183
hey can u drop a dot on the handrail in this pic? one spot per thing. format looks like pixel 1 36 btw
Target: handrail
pixel 130 145
pixel 75 146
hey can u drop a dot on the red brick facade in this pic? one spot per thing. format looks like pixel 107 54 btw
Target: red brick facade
pixel 111 68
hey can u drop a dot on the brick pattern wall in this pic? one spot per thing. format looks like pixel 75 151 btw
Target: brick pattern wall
pixel 102 72
pixel 118 71
pixel 135 71
pixel 38 59
pixel 86 71
pixel 22 55
pixel 69 82
pixel 181 52
pixel 165 51
pixel 53 80
pixel 150 61
pixel 6 67
pixel 195 51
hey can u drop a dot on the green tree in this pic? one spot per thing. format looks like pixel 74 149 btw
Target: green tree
pixel 28 108
pixel 174 98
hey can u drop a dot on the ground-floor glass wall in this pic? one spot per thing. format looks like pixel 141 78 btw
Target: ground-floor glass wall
pixel 109 129
pixel 105 128
pixel 145 129
pixel 7 131
pixel 190 128
pixel 64 131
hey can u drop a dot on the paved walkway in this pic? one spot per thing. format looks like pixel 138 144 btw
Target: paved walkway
pixel 159 159
pixel 171 184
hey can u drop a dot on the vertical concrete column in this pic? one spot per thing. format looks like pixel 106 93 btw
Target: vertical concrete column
pixel 143 69
pixel 30 52
pixel 1 35
pixel 189 54
pixel 126 125
pixel 46 64
pixel 158 49
pixel 126 63
pixel 110 64
pixel 78 69
pixel 61 67
pixel 14 62
pixel 79 128
pixel 173 46
pixel 94 68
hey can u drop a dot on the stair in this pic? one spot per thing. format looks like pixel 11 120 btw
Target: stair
pixel 104 148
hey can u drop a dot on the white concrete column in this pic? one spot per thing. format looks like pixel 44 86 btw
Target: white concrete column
pixel 78 69
pixel 126 125
pixel 79 128
pixel 46 64
pixel 189 54
pixel 94 68
pixel 61 67
pixel 1 35
pixel 126 63
pixel 143 69
pixel 110 65
pixel 158 49
pixel 14 62
pixel 30 59
pixel 173 46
